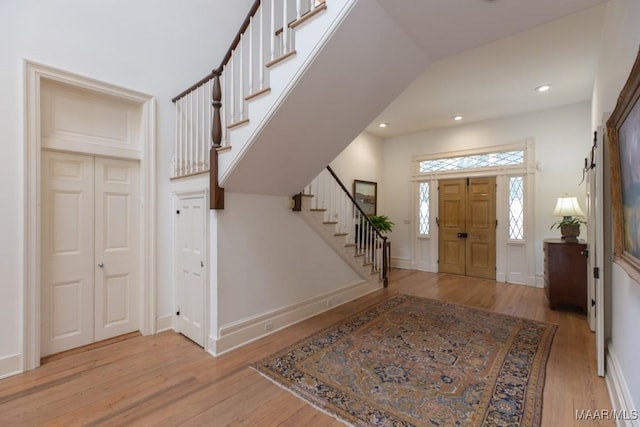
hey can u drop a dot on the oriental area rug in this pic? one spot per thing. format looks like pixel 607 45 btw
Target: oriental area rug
pixel 411 361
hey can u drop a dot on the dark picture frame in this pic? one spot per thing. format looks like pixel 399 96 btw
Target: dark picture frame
pixel 365 194
pixel 623 130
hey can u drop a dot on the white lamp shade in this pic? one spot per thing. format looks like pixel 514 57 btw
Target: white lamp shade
pixel 567 206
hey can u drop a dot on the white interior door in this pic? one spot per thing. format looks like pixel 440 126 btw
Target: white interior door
pixel 116 247
pixel 67 291
pixel 191 270
pixel 595 178
pixel 90 261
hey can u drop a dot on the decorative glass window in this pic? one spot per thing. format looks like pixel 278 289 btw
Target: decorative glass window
pixel 507 158
pixel 516 208
pixel 423 208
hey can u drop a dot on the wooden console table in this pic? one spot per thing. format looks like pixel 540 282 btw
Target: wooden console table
pixel 565 274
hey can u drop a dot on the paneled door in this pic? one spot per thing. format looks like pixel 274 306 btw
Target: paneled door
pixel 466 217
pixel 190 256
pixel 90 261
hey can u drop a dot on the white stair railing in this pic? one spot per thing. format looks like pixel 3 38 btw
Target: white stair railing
pixel 340 208
pixel 265 38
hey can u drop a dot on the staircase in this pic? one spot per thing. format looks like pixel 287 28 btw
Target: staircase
pixel 299 83
pixel 328 207
pixel 302 79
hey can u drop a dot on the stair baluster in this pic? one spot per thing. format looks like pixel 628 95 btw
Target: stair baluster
pixel 340 210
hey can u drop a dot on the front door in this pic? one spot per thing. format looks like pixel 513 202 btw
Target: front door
pixel 467 224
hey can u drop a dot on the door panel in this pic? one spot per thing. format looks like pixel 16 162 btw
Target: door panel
pixel 116 217
pixel 481 228
pixel 67 252
pixel 452 221
pixel 89 218
pixel 191 270
pixel 467 208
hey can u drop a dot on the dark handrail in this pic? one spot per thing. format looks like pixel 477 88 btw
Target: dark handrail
pixel 194 86
pixel 227 56
pixel 385 277
pixel 333 174
pixel 236 40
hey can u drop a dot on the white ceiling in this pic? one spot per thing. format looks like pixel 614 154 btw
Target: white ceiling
pixel 487 61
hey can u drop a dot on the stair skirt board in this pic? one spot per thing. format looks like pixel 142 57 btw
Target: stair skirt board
pixel 237 334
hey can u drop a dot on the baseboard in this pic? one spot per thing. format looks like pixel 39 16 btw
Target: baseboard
pixel 164 323
pixel 243 332
pixel 625 414
pixel 402 263
pixel 521 279
pixel 10 365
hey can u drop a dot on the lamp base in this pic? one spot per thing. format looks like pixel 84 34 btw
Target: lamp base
pixel 570 233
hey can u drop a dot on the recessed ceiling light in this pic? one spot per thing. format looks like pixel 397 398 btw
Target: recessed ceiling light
pixel 543 88
pixel 383 125
pixel 456 118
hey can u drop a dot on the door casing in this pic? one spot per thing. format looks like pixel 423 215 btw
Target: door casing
pixel 35 75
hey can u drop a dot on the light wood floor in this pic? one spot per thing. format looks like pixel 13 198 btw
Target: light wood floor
pixel 168 380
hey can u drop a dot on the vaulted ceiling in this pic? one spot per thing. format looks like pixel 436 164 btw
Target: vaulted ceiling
pixel 487 60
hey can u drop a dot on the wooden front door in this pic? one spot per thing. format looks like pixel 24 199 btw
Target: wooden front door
pixel 467 224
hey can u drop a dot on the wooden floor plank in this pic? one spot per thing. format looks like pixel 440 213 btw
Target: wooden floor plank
pixel 166 380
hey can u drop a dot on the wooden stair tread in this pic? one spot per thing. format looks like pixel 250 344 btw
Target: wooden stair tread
pixel 317 210
pixel 307 16
pixel 238 123
pixel 340 234
pixel 280 59
pixel 257 94
pixel 330 222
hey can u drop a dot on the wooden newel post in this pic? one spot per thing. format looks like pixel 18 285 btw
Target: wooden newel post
pixel 385 262
pixel 217 193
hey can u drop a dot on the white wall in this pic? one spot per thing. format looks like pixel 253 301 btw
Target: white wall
pixel 561 136
pixel 269 258
pixel 158 47
pixel 621 37
pixel 362 160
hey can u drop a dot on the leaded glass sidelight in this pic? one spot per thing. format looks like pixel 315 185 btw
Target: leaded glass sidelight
pixel 423 208
pixel 516 208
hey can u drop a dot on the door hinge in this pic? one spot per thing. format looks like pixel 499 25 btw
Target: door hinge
pixel 467 182
pixel 438 262
pixel 178 212
pixel 178 312
pixel 201 263
pixel 593 303
pixel 437 222
pixel 496 223
pixel 596 272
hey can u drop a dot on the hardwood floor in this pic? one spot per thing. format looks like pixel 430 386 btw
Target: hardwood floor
pixel 167 380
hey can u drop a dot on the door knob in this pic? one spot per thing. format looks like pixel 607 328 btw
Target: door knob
pixel 100 264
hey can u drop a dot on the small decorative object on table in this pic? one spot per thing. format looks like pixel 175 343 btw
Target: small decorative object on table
pixel 572 216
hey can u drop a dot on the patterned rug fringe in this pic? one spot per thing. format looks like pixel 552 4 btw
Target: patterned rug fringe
pixel 296 395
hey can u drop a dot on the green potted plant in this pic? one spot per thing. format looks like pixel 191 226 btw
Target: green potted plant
pixel 382 223
pixel 569 228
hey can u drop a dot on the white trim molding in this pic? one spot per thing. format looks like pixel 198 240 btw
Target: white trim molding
pixel 625 414
pixel 35 74
pixel 10 365
pixel 245 331
pixel 165 323
pixel 518 271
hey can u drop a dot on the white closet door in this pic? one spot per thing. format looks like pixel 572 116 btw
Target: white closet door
pixel 190 241
pixel 117 208
pixel 67 273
